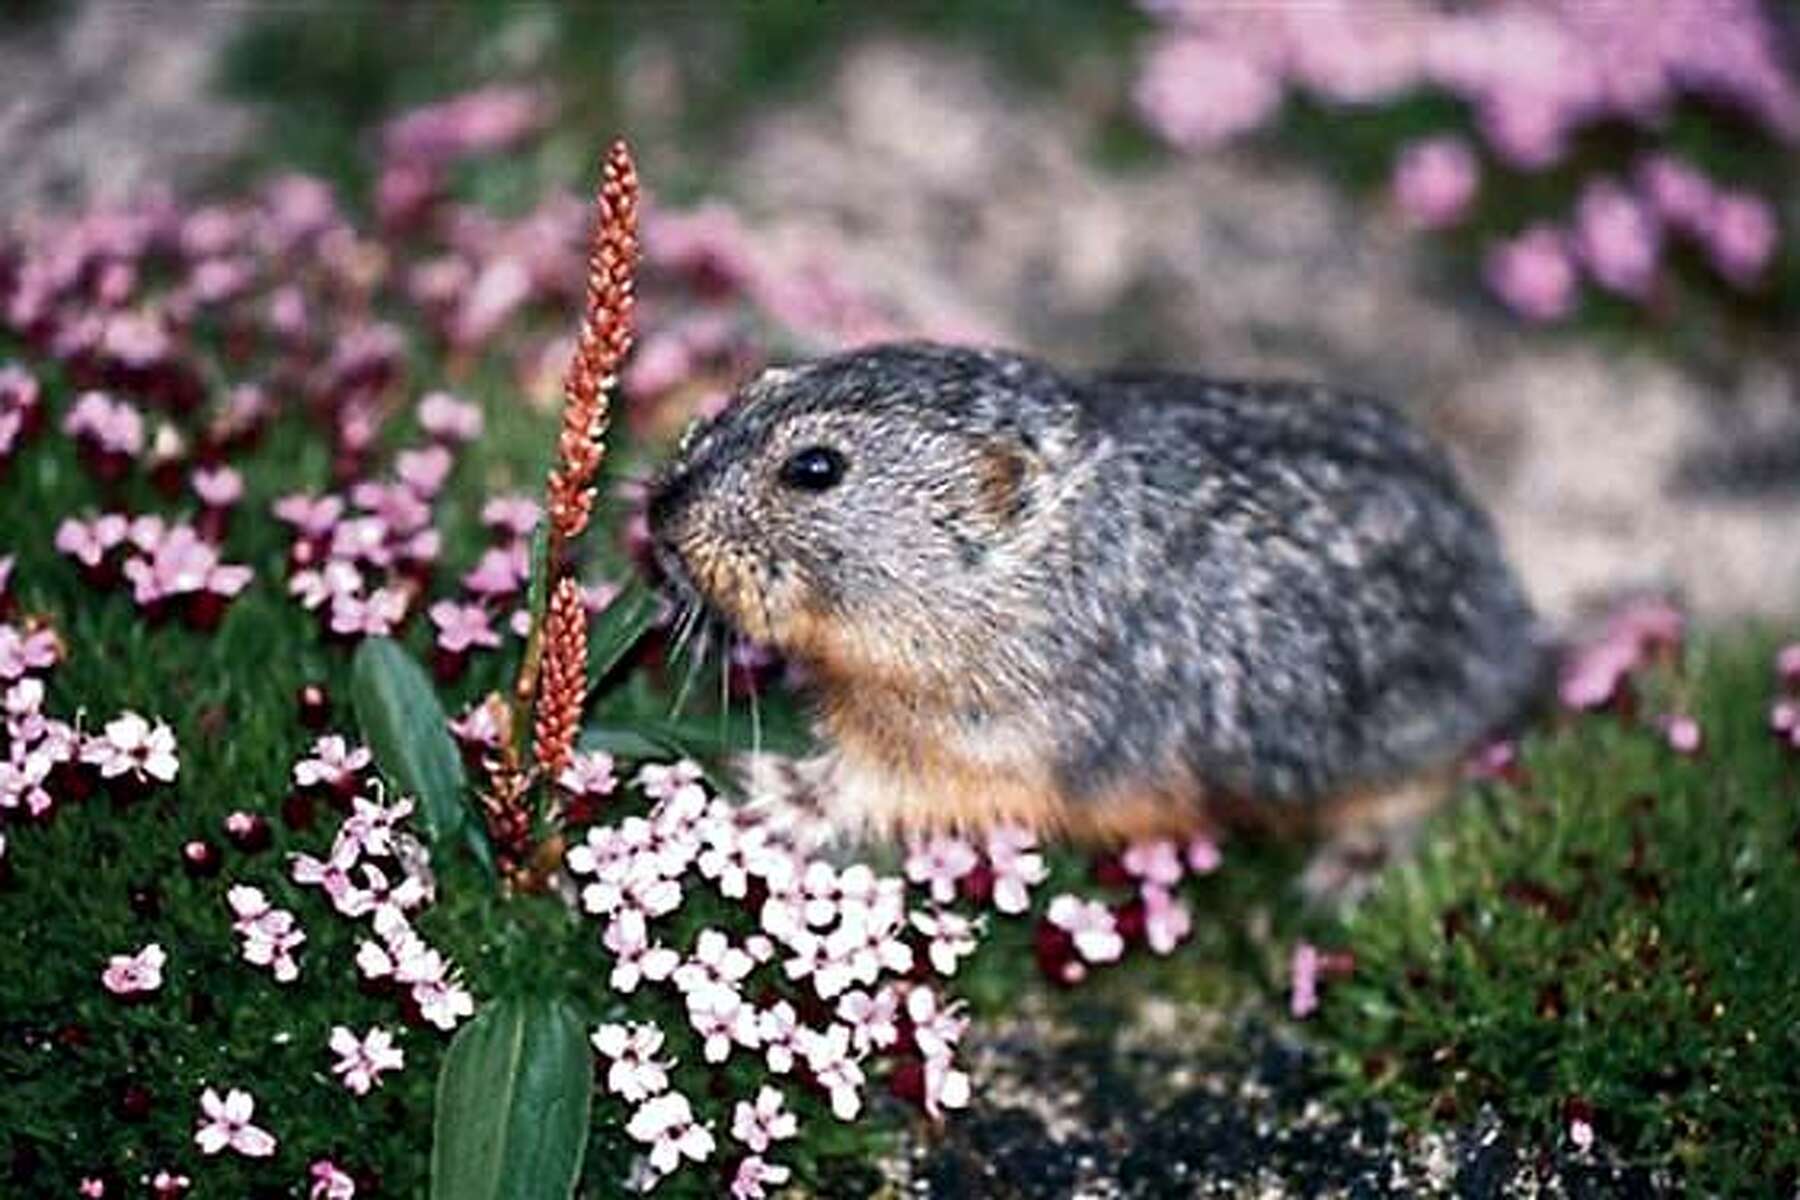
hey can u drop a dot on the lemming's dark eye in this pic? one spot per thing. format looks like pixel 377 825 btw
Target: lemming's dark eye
pixel 814 469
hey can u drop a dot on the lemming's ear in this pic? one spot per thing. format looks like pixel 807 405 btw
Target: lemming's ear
pixel 1004 470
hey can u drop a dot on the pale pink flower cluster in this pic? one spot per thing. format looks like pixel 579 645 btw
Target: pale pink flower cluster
pixel 270 935
pixel 21 408
pixel 841 937
pixel 378 871
pixel 105 425
pixel 1595 674
pixel 163 563
pixel 1784 713
pixel 35 744
pixel 1534 73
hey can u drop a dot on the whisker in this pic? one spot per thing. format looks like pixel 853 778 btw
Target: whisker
pixel 695 657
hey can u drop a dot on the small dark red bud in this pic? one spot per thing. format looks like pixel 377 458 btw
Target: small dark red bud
pixel 247 831
pixel 201 858
pixel 145 900
pixel 134 1102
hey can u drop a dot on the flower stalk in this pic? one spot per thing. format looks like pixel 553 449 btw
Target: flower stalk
pixel 552 683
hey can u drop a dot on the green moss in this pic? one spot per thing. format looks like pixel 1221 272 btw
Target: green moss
pixel 1619 929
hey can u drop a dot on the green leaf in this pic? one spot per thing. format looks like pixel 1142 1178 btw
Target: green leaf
pixel 619 626
pixel 512 1104
pixel 404 724
pixel 537 596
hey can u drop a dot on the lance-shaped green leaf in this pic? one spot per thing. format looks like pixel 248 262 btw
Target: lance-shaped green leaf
pixel 513 1100
pixel 404 724
pixel 619 626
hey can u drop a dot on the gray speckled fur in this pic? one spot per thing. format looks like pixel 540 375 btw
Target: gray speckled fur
pixel 1279 587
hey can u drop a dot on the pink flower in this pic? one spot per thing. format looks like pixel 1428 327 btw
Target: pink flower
pixel 135 974
pixel 1166 919
pixel 478 122
pixel 1680 194
pixel 779 1029
pixel 589 773
pixel 1153 862
pixel 131 745
pixel 1303 971
pixel 310 516
pixel 752 1173
pixel 501 571
pixel 1203 856
pixel 448 419
pixel 270 935
pixel 362 1061
pixel 424 471
pixel 950 937
pixel 477 727
pixel 87 542
pixel 183 564
pixel 1617 239
pixel 1683 734
pixel 1090 924
pixel 828 1055
pixel 374 616
pixel 22 779
pixel 31 650
pixel 1434 181
pixel 635 957
pixel 1741 234
pixel 1017 868
pixel 873 1019
pixel 939 863
pixel 635 1074
pixel 666 1122
pixel 461 626
pixel 1787 665
pixel 514 515
pixel 329 1182
pixel 334 763
pixel 945 1086
pixel 761 1124
pixel 218 487
pixel 226 1123
pixel 112 425
pixel 1533 274
pixel 1200 93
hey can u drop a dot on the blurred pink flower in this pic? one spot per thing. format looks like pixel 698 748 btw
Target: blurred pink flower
pixel 1090 924
pixel 218 487
pixel 1741 235
pixel 1681 196
pixel 1434 181
pixel 1533 274
pixel 1200 92
pixel 1303 972
pixel 462 626
pixel 479 122
pixel 329 1182
pixel 1617 238
pixel 448 419
pixel 514 514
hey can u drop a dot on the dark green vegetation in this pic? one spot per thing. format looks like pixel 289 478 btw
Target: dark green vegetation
pixel 1613 939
